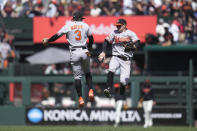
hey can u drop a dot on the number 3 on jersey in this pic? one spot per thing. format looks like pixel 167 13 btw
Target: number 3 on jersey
pixel 78 33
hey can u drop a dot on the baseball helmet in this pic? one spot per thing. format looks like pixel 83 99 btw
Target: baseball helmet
pixel 78 15
pixel 121 22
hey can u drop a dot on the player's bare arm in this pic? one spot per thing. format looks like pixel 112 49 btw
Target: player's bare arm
pixel 102 55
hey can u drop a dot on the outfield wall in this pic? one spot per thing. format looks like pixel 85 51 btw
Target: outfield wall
pixel 87 116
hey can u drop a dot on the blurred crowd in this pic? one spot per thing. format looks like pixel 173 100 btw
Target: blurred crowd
pixel 178 23
pixel 54 8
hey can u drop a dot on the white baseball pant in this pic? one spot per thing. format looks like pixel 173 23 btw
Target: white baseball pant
pixel 118 111
pixel 147 106
pixel 125 68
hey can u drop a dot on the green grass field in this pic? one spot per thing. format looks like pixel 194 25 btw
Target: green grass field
pixel 95 128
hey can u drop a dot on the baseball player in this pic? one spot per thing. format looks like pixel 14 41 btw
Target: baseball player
pixel 124 43
pixel 77 32
pixel 119 103
pixel 147 99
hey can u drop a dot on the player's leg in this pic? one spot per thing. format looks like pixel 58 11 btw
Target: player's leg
pixel 144 105
pixel 77 73
pixel 79 92
pixel 113 65
pixel 125 69
pixel 110 81
pixel 86 68
pixel 149 108
pixel 118 112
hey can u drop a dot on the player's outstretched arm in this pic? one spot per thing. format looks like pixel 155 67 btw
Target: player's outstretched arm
pixel 45 41
pixel 102 55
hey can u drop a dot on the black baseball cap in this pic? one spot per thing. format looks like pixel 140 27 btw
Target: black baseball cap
pixel 121 22
pixel 78 15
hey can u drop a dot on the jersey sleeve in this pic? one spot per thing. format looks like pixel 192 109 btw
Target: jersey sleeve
pixel 110 37
pixel 63 30
pixel 9 48
pixel 133 36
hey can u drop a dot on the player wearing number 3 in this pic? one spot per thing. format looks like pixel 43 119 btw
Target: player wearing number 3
pixel 77 32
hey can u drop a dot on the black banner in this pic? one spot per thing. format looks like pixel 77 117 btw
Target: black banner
pixel 101 116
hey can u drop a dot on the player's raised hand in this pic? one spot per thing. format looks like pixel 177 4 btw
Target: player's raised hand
pixel 101 57
pixel 45 42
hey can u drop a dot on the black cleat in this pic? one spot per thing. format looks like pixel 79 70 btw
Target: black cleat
pixel 107 92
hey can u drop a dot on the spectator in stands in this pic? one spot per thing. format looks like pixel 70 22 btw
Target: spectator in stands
pixel 64 69
pixel 182 30
pixel 157 4
pixel 128 7
pixel 160 29
pixel 187 9
pixel 8 10
pixel 165 11
pixel 18 9
pixel 168 37
pixel 95 10
pixel 75 6
pixel 175 6
pixel 27 6
pixel 86 9
pixel 7 52
pixel 63 8
pixel 139 7
pixel 189 31
pixel 36 10
pixel 52 9
pixel 174 29
pixel 151 8
pixel 107 8
pixel 51 69
pixel 117 5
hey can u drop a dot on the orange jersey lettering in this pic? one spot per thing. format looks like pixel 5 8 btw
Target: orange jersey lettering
pixel 122 39
pixel 76 27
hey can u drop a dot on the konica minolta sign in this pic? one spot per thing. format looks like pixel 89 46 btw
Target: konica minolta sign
pixel 97 116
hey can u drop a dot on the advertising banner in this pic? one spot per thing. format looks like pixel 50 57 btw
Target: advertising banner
pixel 101 116
pixel 100 26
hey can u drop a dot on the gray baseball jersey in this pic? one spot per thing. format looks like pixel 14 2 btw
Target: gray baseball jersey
pixel 118 39
pixel 77 33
